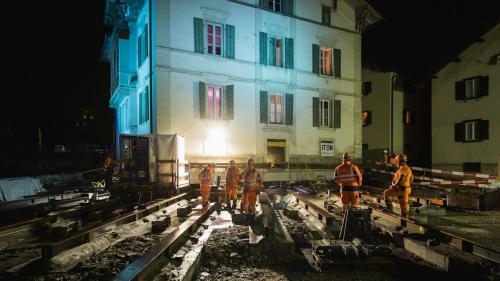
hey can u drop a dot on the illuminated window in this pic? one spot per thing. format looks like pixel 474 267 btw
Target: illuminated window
pixel 275 5
pixel 276 109
pixel 471 130
pixel 326 14
pixel 144 106
pixel 326 61
pixel 214 102
pixel 214 39
pixel 472 88
pixel 325 113
pixel 366 118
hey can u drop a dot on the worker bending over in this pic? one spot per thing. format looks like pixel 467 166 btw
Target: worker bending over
pixel 232 183
pixel 205 177
pixel 349 178
pixel 400 187
pixel 252 186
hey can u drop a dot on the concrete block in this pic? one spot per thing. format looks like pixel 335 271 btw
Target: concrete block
pixel 421 250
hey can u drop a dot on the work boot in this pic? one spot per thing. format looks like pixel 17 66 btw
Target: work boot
pixel 245 219
pixel 234 205
pixel 388 207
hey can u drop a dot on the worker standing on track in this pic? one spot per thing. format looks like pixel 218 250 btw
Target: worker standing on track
pixel 349 178
pixel 253 184
pixel 232 183
pixel 205 177
pixel 400 187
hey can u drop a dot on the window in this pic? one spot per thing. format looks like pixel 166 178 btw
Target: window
pixel 326 61
pixel 274 5
pixel 275 109
pixel 472 88
pixel 276 52
pixel 366 88
pixel 142 46
pixel 144 106
pixel 214 39
pixel 408 116
pixel 326 13
pixel 214 102
pixel 123 118
pixel 334 5
pixel 366 118
pixel 471 130
pixel 325 113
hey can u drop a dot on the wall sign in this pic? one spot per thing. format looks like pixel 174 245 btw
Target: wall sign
pixel 326 148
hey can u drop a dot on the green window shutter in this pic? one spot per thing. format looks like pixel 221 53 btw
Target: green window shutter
pixel 139 50
pixel 315 58
pixel 230 44
pixel 289 53
pixel 460 90
pixel 483 86
pixel 337 62
pixel 262 3
pixel 484 130
pixel 198 36
pixel 263 107
pixel 330 109
pixel 146 42
pixel 229 102
pixel 288 7
pixel 202 92
pixel 272 52
pixel 459 132
pixel 315 112
pixel 337 112
pixel 263 48
pixel 289 109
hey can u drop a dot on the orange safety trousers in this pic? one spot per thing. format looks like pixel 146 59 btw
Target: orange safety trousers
pixel 205 192
pixel 231 192
pixel 349 197
pixel 402 194
pixel 249 201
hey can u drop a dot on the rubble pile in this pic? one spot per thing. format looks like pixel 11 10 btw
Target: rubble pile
pixel 298 230
pixel 228 256
pixel 105 265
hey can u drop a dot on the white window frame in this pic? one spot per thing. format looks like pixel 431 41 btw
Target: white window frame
pixel 271 4
pixel 214 24
pixel 321 60
pixel 322 116
pixel 221 115
pixel 472 88
pixel 471 130
pixel 282 113
pixel 281 53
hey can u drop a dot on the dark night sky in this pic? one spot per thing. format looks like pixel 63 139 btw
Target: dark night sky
pixel 54 70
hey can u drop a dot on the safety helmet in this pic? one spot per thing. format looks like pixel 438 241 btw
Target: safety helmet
pixel 403 157
pixel 347 156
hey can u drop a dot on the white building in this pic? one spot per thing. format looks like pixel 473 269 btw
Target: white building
pixel 465 108
pixel 274 80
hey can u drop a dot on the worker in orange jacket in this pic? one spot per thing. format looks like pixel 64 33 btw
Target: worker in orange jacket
pixel 205 177
pixel 349 178
pixel 232 183
pixel 400 186
pixel 252 186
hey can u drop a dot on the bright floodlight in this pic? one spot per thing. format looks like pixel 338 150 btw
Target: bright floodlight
pixel 215 143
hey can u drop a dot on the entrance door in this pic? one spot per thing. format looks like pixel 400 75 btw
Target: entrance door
pixel 276 150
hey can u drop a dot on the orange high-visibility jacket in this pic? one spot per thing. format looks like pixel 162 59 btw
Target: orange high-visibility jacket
pixel 393 161
pixel 233 176
pixel 348 175
pixel 403 176
pixel 253 180
pixel 205 178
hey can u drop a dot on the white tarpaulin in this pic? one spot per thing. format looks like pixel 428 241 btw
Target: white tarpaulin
pixel 16 188
pixel 170 157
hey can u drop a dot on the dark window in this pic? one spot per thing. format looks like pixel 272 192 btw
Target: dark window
pixel 334 5
pixel 326 14
pixel 408 116
pixel 472 130
pixel 366 88
pixel 142 46
pixel 367 118
pixel 144 106
pixel 471 88
pixel 274 5
pixel 472 167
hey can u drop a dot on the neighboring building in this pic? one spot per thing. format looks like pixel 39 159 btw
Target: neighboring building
pixel 274 80
pixel 395 116
pixel 465 108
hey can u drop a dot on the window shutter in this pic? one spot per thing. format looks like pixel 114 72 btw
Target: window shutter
pixel 288 7
pixel 272 52
pixel 263 107
pixel 330 108
pixel 262 3
pixel 337 112
pixel 289 53
pixel 484 129
pixel 229 102
pixel 146 42
pixel 483 86
pixel 460 90
pixel 315 58
pixel 263 48
pixel 459 132
pixel 230 44
pixel 337 62
pixel 289 109
pixel 203 100
pixel 198 36
pixel 315 112
pixel 139 50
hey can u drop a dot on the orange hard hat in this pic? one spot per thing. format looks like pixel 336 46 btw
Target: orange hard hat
pixel 347 156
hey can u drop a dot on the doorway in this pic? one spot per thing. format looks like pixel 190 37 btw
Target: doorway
pixel 276 150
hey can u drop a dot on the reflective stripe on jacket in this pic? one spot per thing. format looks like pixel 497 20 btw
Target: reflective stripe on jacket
pixel 252 180
pixel 205 178
pixel 347 174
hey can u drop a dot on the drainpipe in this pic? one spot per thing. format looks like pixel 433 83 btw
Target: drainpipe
pixel 393 79
pixel 151 125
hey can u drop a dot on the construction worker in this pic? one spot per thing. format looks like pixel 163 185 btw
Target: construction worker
pixel 386 157
pixel 232 183
pixel 393 160
pixel 349 178
pixel 252 186
pixel 400 187
pixel 205 177
pixel 109 172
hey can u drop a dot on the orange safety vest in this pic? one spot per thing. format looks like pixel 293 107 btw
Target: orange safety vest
pixel 404 174
pixel 393 161
pixel 205 178
pixel 252 180
pixel 346 175
pixel 232 177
